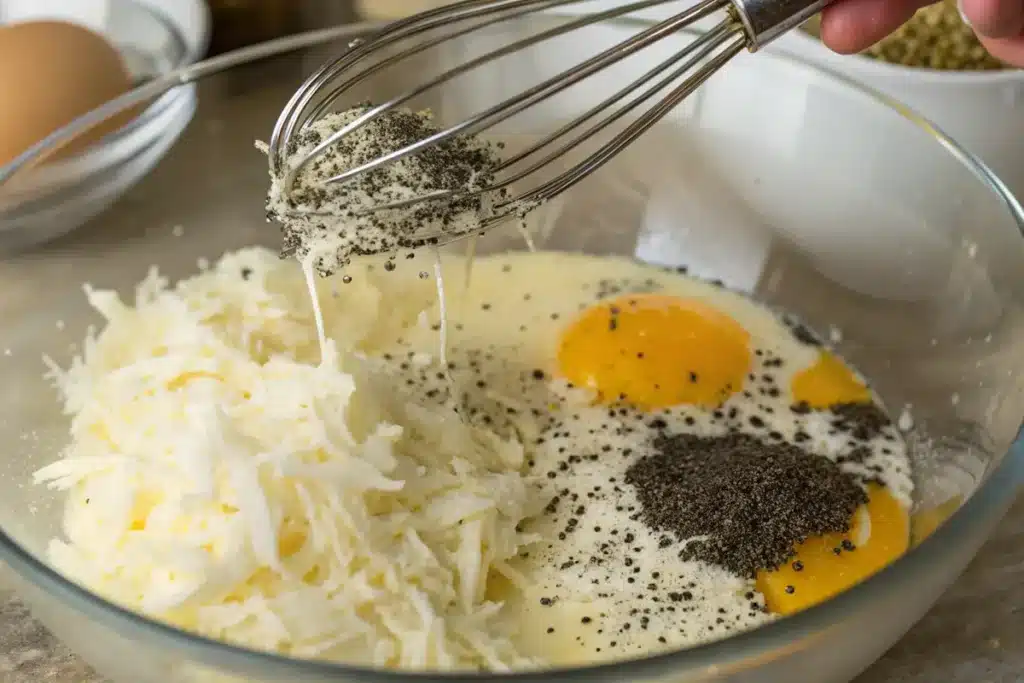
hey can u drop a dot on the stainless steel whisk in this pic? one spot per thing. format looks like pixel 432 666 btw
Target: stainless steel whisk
pixel 749 24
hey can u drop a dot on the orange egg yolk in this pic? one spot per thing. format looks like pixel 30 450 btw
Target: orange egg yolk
pixel 879 531
pixel 925 522
pixel 828 382
pixel 656 350
pixel 827 565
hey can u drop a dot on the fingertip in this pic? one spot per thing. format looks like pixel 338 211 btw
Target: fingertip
pixel 1007 50
pixel 839 33
pixel 994 18
pixel 855 25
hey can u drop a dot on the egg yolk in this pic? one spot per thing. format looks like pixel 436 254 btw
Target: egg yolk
pixel 826 565
pixel 828 382
pixel 879 531
pixel 655 350
pixel 924 523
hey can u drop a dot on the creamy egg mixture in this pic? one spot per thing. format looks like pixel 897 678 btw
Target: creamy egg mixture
pixel 562 336
pixel 503 510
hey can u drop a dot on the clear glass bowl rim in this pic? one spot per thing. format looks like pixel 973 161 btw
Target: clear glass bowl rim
pixel 991 499
pixel 87 158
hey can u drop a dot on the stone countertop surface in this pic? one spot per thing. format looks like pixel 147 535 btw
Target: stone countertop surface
pixel 974 634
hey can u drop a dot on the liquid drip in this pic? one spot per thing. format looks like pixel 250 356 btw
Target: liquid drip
pixel 318 316
pixel 443 312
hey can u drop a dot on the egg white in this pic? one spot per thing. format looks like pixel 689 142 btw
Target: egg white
pixel 504 325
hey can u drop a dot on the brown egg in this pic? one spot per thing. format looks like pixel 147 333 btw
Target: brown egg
pixel 50 73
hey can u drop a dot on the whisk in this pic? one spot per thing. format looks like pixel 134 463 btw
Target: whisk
pixel 746 24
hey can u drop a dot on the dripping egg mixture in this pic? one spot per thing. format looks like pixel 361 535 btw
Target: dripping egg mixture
pixel 605 460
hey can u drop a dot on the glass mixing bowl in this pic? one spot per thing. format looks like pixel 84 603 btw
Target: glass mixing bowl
pixel 812 193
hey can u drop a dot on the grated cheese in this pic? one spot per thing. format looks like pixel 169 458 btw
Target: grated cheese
pixel 222 478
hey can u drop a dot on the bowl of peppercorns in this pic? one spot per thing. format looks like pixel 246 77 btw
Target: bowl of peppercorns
pixel 936 65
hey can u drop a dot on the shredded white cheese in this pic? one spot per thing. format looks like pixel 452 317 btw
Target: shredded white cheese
pixel 222 479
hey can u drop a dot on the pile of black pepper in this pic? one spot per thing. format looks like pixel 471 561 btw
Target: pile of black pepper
pixel 753 500
pixel 315 211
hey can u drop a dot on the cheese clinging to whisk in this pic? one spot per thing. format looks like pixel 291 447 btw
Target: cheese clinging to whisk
pixel 329 222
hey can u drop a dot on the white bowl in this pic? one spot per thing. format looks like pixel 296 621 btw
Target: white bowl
pixel 983 111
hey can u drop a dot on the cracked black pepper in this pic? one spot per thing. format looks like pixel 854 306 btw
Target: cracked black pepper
pixel 752 500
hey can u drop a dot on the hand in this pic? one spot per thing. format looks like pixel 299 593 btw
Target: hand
pixel 853 25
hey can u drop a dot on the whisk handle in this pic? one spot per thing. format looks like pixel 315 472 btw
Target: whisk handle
pixel 766 20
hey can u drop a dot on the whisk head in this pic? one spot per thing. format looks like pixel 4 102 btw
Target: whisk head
pixel 636 107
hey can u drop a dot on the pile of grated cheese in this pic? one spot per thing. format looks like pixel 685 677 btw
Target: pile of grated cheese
pixel 220 479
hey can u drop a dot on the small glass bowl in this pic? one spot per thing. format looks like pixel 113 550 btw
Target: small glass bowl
pixel 50 200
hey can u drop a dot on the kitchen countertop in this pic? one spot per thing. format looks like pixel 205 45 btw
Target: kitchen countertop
pixel 974 634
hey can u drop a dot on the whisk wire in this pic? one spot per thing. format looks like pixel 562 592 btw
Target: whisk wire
pixel 291 115
pixel 332 96
pixel 703 48
pixel 723 35
pixel 508 108
pixel 294 115
pixel 638 127
pixel 596 160
pixel 694 53
pixel 528 98
pixel 523 9
pixel 747 24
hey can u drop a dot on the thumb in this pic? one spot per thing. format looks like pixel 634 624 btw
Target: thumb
pixel 1008 50
pixel 994 18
